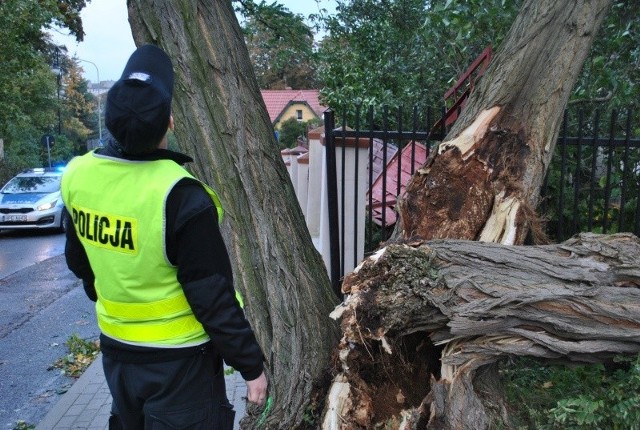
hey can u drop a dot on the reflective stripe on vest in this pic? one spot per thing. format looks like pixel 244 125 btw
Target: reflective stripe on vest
pixel 185 326
pixel 146 311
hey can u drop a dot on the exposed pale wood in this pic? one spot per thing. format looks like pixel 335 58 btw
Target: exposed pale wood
pixel 466 141
pixel 501 226
pixel 338 404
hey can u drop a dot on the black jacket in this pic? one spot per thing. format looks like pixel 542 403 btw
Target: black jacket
pixel 196 247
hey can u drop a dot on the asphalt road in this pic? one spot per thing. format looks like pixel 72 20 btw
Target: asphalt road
pixel 22 248
pixel 42 304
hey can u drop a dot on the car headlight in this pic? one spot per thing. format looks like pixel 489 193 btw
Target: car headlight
pixel 46 206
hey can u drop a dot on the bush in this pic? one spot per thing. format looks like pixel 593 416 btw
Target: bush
pixel 292 129
pixel 574 397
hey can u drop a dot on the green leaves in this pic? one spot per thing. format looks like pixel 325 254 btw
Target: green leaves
pixel 582 411
pixel 575 397
pixel 27 84
pixel 405 52
pixel 23 425
pixel 291 129
pixel 280 45
pixel 611 73
pixel 81 355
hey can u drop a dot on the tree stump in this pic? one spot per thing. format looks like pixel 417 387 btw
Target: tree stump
pixel 426 323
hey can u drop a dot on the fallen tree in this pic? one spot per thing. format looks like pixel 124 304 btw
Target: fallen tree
pixel 472 304
pixel 421 336
pixel 427 320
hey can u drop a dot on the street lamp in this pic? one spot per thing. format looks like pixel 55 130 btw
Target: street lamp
pixel 57 69
pixel 99 109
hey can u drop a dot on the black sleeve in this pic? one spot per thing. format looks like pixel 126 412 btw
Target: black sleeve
pixel 195 245
pixel 78 262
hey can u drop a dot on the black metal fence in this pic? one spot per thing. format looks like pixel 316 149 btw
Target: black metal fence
pixel 593 183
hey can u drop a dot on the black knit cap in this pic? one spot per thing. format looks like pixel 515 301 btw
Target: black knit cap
pixel 139 103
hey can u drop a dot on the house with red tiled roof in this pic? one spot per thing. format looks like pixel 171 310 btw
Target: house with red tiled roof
pixel 303 105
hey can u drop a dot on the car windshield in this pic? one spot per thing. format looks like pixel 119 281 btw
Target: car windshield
pixel 32 184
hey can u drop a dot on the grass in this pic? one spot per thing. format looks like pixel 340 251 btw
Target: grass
pixel 584 397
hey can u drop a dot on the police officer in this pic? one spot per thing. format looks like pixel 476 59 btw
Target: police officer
pixel 147 245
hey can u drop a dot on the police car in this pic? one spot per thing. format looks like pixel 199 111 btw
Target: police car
pixel 31 200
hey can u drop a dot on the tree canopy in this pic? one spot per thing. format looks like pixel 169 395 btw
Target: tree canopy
pixel 29 87
pixel 393 52
pixel 405 52
pixel 409 52
pixel 280 46
pixel 611 73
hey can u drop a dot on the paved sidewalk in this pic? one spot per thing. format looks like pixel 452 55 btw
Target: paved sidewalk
pixel 87 404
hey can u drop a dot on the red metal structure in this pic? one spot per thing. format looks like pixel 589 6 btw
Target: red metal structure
pixel 456 97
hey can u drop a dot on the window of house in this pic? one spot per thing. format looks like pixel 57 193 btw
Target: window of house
pixel 299 114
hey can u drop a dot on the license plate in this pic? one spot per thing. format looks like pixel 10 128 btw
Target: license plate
pixel 15 218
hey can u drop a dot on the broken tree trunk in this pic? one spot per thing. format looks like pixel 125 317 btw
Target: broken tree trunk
pixel 484 181
pixel 425 324
pixel 471 304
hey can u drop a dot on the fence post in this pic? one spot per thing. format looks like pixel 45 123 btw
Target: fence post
pixel 332 202
pixel 316 168
pixel 563 167
pixel 303 182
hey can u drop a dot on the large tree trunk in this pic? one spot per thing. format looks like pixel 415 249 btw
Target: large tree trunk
pixel 484 181
pixel 221 120
pixel 474 303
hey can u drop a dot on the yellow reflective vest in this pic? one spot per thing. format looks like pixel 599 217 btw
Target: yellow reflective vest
pixel 121 225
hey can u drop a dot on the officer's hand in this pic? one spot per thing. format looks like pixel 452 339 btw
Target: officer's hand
pixel 257 390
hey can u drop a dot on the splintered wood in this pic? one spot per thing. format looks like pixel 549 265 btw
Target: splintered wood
pixel 433 317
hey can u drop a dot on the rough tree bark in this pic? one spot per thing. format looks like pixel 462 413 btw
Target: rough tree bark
pixel 221 120
pixel 474 303
pixel 412 309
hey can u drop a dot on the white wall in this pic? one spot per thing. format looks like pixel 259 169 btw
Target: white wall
pixel 316 166
pixel 309 178
pixel 352 249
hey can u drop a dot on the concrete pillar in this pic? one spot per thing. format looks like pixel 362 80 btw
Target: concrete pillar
pixel 292 168
pixel 303 181
pixel 316 186
pixel 354 209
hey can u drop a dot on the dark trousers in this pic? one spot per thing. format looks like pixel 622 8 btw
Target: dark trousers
pixel 187 393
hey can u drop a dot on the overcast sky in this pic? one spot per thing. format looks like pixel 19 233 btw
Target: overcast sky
pixel 108 42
